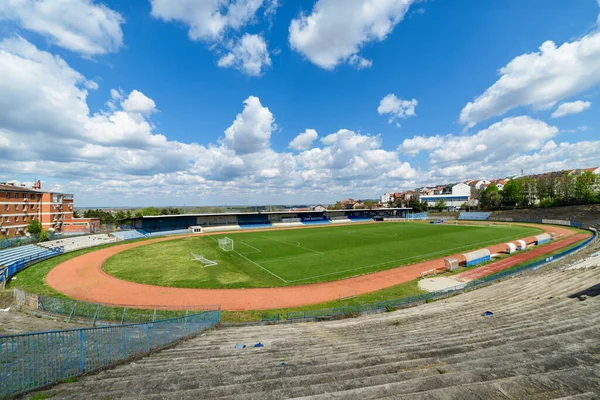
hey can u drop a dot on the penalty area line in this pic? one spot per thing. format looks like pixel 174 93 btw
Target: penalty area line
pixel 261 267
pixel 252 247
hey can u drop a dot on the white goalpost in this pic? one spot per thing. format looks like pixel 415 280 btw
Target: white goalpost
pixel 203 260
pixel 226 244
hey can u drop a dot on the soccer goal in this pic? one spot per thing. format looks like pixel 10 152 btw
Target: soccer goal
pixel 226 244
pixel 203 260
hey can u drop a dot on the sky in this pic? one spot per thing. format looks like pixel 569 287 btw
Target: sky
pixel 246 102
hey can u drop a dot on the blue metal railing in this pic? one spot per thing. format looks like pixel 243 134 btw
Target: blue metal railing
pixel 329 313
pixel 34 360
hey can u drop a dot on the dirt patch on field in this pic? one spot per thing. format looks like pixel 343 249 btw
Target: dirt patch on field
pixel 82 278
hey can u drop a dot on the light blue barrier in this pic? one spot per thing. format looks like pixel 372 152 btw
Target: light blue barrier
pixel 474 215
pixel 422 215
pixel 34 360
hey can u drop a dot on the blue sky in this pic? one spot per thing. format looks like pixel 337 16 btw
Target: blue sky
pixel 277 101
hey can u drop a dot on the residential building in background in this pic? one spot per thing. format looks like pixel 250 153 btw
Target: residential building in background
pixel 19 205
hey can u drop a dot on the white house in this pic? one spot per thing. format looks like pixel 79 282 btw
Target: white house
pixel 479 184
pixel 461 189
pixel 461 192
pixel 319 208
pixel 386 198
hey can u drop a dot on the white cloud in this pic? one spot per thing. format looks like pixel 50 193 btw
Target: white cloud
pixel 252 128
pixel 249 55
pixel 137 102
pixel 496 143
pixel 397 108
pixel 207 19
pixel 549 146
pixel 417 144
pixel 304 140
pixel 574 107
pixel 218 22
pixel 335 31
pixel 499 150
pixel 81 26
pixel 539 79
pixel 359 62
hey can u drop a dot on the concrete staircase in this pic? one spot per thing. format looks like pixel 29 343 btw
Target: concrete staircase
pixel 539 344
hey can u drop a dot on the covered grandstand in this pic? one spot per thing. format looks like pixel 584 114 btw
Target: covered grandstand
pixel 176 224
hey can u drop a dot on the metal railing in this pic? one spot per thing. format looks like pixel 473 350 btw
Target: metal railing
pixel 35 360
pixel 331 313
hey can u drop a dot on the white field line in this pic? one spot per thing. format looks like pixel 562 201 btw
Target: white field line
pixel 252 247
pixel 261 267
pixel 405 259
pixel 289 244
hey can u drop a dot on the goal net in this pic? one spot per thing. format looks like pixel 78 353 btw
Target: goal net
pixel 226 244
pixel 203 260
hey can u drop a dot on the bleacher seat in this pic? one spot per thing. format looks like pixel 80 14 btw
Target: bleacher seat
pixel 28 252
pixel 78 242
pixel 474 216
pixel 128 235
pixel 166 232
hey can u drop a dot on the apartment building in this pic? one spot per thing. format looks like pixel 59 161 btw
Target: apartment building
pixel 20 205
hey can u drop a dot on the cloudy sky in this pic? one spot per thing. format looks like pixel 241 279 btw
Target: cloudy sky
pixel 165 102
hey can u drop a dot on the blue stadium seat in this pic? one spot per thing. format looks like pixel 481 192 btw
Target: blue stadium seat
pixel 166 232
pixel 128 235
pixel 28 252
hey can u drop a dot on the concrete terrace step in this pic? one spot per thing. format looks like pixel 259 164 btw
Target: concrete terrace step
pixel 249 381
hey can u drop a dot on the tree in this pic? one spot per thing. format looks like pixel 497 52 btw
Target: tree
pixel 512 193
pixel 336 206
pixel 490 198
pixel 105 217
pixel 566 188
pixel 528 191
pixel 416 205
pixel 34 227
pixel 44 237
pixel 76 214
pixel 370 204
pixel 584 187
pixel 440 205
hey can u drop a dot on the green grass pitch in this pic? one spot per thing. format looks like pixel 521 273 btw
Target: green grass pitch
pixel 301 256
